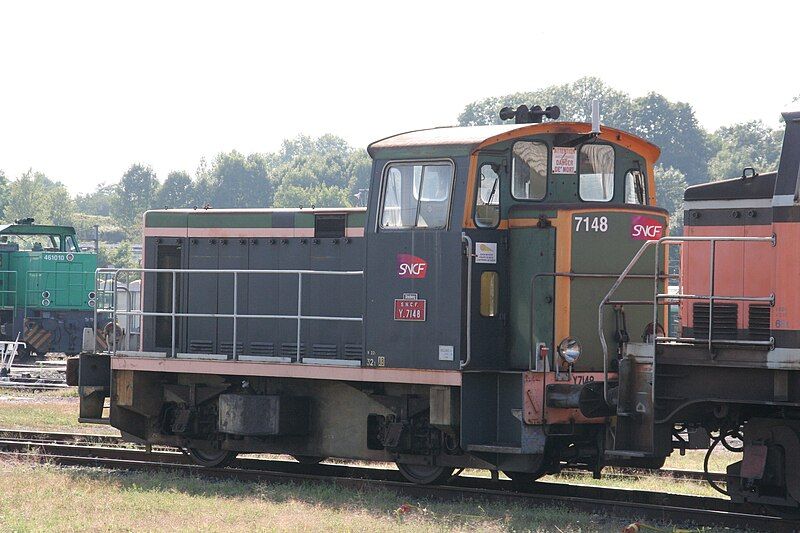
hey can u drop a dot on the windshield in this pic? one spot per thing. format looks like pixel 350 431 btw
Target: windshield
pixel 31 243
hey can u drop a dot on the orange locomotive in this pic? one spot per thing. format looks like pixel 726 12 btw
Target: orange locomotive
pixel 730 375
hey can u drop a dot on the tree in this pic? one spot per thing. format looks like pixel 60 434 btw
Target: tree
pixel 574 99
pixel 34 195
pixel 4 191
pixel 237 181
pixel 177 191
pixel 135 193
pixel 99 202
pixel 747 144
pixel 670 185
pixel 673 127
pixel 670 125
pixel 317 196
pixel 119 256
pixel 325 172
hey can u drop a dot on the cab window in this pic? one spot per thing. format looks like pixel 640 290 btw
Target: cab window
pixel 417 195
pixel 71 246
pixel 487 203
pixel 596 181
pixel 529 170
pixel 635 187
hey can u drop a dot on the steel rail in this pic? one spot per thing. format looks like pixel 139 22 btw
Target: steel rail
pixel 622 502
pixel 88 439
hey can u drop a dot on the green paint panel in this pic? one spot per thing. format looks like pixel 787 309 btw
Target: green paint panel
pixel 595 251
pixel 230 220
pixel 165 219
pixel 68 278
pixel 304 220
pixel 357 220
pixel 532 252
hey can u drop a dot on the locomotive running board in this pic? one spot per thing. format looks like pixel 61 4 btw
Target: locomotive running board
pixel 289 370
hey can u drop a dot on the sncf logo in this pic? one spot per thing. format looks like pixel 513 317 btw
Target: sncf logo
pixel 411 266
pixel 646 229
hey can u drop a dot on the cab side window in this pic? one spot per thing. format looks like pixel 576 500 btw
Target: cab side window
pixel 417 195
pixel 596 181
pixel 487 203
pixel 529 170
pixel 635 187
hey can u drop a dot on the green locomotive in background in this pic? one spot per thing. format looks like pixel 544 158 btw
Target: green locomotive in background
pixel 47 287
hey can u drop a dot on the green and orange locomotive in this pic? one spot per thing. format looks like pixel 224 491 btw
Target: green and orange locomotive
pixel 499 304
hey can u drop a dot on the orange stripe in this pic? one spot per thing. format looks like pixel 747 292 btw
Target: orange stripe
pixel 646 149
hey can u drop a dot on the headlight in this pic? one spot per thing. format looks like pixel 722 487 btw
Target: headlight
pixel 569 349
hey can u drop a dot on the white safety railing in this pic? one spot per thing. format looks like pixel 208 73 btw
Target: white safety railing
pixel 108 286
pixel 667 298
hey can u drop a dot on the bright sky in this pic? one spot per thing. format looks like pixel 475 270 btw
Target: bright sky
pixel 87 88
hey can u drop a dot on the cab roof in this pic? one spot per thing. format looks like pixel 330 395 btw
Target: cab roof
pixel 463 140
pixel 35 229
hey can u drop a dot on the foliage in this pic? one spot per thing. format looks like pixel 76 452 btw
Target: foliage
pixel 670 184
pixel 674 128
pixel 236 180
pixel 98 202
pixel 84 226
pixel 747 144
pixel 177 191
pixel 670 125
pixel 314 196
pixel 325 172
pixel 134 194
pixel 4 191
pixel 34 195
pixel 119 256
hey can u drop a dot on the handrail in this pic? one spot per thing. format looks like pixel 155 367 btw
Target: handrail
pixel 657 296
pixel 114 274
pixel 465 239
pixel 571 275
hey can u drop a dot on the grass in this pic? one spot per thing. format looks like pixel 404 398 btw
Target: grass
pixel 693 460
pixel 58 410
pixel 55 410
pixel 77 499
pixel 49 498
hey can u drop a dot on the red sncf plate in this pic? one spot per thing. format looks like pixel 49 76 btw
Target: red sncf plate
pixel 409 310
pixel 646 229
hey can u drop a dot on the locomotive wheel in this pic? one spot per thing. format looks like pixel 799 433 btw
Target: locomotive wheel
pixel 211 458
pixel 425 474
pixel 308 459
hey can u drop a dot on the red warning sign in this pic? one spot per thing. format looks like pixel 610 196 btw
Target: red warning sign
pixel 409 309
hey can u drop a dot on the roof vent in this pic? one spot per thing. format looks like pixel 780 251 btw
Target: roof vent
pixel 534 115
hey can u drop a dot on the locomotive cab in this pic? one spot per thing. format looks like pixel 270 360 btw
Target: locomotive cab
pixel 531 225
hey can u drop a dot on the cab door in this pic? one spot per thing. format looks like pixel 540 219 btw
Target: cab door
pixel 414 312
pixel 487 271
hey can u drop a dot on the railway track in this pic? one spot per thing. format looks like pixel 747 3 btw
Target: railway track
pixel 108 451
pixel 46 375
pixel 111 440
